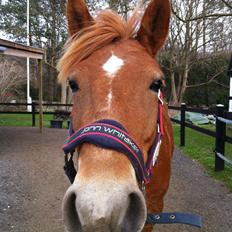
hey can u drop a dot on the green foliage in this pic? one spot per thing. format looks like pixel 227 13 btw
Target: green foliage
pixel 25 120
pixel 211 70
pixel 208 82
pixel 47 21
pixel 13 19
pixel 22 120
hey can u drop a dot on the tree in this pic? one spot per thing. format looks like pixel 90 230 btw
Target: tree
pixel 47 30
pixel 12 77
pixel 13 19
pixel 200 30
pixel 196 33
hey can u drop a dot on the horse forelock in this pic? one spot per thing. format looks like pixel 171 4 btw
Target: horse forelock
pixel 107 28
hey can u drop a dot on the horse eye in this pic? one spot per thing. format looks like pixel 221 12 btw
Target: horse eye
pixel 74 86
pixel 156 85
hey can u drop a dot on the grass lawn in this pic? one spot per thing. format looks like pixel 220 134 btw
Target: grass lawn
pixel 200 147
pixel 24 120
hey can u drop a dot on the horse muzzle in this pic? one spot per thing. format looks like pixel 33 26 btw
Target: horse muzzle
pixel 103 207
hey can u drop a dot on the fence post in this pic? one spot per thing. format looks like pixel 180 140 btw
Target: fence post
pixel 182 124
pixel 33 114
pixel 220 139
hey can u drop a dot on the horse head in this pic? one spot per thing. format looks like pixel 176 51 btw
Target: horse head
pixel 112 70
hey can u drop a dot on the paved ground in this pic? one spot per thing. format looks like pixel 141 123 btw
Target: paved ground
pixel 32 185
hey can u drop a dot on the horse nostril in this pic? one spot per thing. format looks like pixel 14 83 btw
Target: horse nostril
pixel 136 213
pixel 70 214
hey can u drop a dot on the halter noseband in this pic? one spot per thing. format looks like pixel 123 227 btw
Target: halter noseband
pixel 110 134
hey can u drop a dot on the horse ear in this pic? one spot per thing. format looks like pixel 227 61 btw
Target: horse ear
pixel 78 16
pixel 155 25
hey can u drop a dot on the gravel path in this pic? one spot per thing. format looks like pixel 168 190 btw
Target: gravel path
pixel 32 185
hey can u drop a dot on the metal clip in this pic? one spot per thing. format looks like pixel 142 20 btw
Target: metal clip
pixel 67 158
pixel 158 128
pixel 160 97
pixel 156 153
pixel 143 188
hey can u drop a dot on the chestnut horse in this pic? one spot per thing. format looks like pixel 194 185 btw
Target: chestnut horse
pixel 112 70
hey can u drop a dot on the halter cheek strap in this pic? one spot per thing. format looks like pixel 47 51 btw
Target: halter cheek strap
pixel 155 148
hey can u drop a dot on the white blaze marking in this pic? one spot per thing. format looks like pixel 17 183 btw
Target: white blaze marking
pixel 110 96
pixel 113 65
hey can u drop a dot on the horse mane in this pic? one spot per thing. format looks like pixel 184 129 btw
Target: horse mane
pixel 107 28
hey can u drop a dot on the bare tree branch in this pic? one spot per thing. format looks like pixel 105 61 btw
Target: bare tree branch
pixel 227 4
pixel 11 78
pixel 222 85
pixel 207 82
pixel 214 15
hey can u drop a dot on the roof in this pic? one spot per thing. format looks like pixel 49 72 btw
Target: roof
pixel 16 49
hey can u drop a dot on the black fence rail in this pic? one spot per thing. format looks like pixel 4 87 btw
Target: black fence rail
pixel 222 118
pixel 58 114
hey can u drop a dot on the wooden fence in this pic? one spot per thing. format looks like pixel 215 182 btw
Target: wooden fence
pixel 222 118
pixel 34 109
